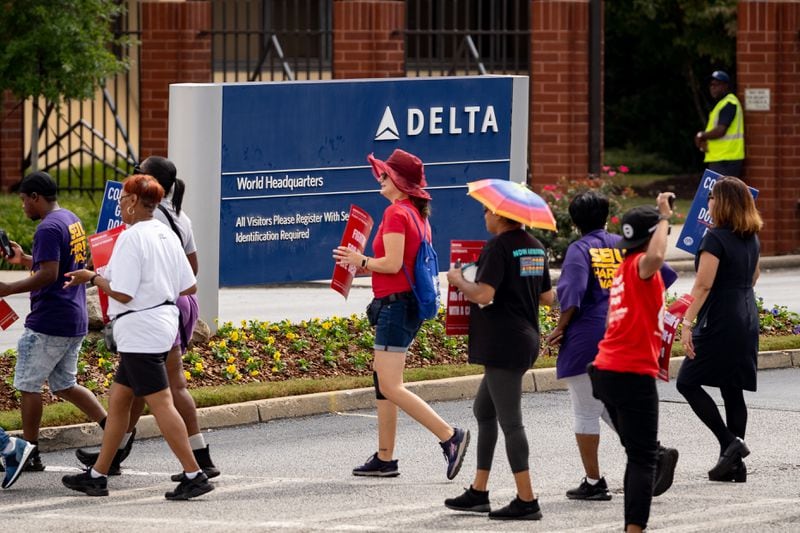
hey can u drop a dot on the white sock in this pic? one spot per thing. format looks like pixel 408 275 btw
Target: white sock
pixel 95 474
pixel 192 475
pixel 591 481
pixel 12 443
pixel 197 442
pixel 125 439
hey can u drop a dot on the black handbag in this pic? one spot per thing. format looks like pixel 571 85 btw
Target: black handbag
pixel 108 329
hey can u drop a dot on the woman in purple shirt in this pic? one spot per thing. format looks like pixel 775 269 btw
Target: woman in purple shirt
pixel 583 287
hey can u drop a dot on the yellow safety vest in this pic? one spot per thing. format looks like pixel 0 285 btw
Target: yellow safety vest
pixel 729 147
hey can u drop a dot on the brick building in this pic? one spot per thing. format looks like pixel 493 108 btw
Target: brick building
pixel 181 42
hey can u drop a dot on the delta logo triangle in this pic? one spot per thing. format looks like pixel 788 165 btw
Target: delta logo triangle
pixel 387 129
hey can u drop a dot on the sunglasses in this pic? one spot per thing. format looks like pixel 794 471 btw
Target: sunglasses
pixel 710 196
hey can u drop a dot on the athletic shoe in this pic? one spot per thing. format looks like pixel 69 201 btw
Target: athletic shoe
pixel 454 449
pixel 735 452
pixel 88 458
pixel 518 510
pixel 377 468
pixel 737 474
pixel 15 459
pixel 203 458
pixel 84 482
pixel 587 491
pixel 665 469
pixel 190 488
pixel 474 501
pixel 34 462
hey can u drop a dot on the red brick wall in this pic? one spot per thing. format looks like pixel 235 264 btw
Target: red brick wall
pixel 173 51
pixel 559 98
pixel 368 39
pixel 768 55
pixel 11 141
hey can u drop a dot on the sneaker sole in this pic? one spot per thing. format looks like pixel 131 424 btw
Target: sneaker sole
pixel 533 516
pixel 86 490
pixel 376 474
pixel 487 508
pixel 194 493
pixel 594 498
pixel 25 454
pixel 462 451
pixel 670 460
pixel 210 473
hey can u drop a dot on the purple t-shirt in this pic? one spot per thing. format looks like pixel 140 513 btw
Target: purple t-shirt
pixel 54 310
pixel 586 275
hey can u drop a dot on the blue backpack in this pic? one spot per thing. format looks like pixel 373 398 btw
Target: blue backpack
pixel 426 276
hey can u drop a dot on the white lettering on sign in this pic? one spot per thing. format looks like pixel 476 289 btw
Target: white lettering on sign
pixel 268 181
pixel 757 99
pixel 453 119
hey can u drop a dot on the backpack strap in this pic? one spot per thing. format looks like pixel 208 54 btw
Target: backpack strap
pixel 421 238
pixel 171 223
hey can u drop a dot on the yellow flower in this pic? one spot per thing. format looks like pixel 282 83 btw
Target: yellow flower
pixel 303 323
pixel 187 375
pixel 237 377
pixel 244 324
pixel 212 344
pixel 223 343
pixel 110 375
pixel 270 340
pixel 234 335
pixel 198 366
pixel 105 383
pixel 230 360
pixel 249 360
pixel 275 369
pixel 291 336
pixel 326 325
pixel 101 361
pixel 235 351
pixel 546 308
pixel 277 356
pixel 254 373
pixel 230 369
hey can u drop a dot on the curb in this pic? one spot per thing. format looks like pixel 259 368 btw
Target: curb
pixel 259 411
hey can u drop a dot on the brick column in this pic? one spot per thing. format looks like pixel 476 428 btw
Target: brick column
pixel 767 55
pixel 11 141
pixel 559 96
pixel 368 39
pixel 172 51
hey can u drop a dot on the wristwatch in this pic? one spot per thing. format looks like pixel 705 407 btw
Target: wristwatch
pixel 91 280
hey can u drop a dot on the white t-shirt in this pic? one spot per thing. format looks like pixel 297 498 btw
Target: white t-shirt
pixel 183 222
pixel 148 264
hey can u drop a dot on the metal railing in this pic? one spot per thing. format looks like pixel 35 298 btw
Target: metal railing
pixel 467 37
pixel 271 40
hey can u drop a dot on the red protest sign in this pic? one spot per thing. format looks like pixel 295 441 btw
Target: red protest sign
pixel 672 318
pixel 7 315
pixel 356 233
pixel 457 316
pixel 102 244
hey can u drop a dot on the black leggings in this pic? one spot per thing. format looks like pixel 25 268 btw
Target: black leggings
pixel 499 399
pixel 706 410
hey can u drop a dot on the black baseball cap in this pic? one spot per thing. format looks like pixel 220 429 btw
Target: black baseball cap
pixel 720 75
pixel 638 226
pixel 40 183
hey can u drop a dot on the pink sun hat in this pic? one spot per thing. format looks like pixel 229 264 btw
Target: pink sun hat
pixel 405 170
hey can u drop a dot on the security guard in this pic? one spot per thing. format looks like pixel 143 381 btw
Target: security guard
pixel 723 139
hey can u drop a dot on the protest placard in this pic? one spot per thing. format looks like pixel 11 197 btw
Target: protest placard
pixel 102 244
pixel 457 313
pixel 672 319
pixel 355 236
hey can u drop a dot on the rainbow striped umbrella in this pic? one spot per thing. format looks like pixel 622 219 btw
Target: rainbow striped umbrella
pixel 513 200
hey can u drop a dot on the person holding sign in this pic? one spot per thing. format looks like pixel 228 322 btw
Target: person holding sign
pixel 624 372
pixel 720 329
pixel 58 320
pixel 511 281
pixel 394 311
pixel 583 289
pixel 147 273
pixel 170 213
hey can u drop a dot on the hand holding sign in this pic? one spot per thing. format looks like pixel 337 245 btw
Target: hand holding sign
pixel 354 241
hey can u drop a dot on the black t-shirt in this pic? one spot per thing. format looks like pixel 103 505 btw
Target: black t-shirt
pixel 505 334
pixel 726 115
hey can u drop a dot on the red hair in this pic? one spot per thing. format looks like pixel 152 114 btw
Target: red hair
pixel 146 188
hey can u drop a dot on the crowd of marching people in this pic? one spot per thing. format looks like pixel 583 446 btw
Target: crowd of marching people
pixel 609 333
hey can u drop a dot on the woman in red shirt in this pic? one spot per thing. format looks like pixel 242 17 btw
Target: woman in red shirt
pixel 394 312
pixel 623 373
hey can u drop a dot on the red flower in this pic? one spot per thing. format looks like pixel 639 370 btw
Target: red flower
pixel 612 173
pixel 624 169
pixel 606 168
pixel 549 187
pixel 615 219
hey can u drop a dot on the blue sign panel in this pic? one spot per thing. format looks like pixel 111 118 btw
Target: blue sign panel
pixel 698 220
pixel 110 215
pixel 294 159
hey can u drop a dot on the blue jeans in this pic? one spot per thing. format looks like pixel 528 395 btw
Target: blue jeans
pixel 48 358
pixel 397 324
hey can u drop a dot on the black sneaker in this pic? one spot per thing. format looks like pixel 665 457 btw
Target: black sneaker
pixel 454 449
pixel 190 488
pixel 34 462
pixel 587 491
pixel 203 458
pixel 377 468
pixel 518 510
pixel 474 501
pixel 84 482
pixel 665 469
pixel 88 458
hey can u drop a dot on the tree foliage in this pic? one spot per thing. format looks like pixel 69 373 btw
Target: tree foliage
pixel 658 54
pixel 58 48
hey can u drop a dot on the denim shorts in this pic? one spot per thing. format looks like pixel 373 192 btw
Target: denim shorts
pixel 48 358
pixel 397 325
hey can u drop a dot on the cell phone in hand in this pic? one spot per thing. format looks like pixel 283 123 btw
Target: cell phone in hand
pixel 6 244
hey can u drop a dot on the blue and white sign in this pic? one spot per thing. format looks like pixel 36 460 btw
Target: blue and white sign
pixel 698 220
pixel 110 215
pixel 274 167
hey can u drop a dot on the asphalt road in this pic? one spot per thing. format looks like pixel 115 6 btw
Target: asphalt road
pixel 294 475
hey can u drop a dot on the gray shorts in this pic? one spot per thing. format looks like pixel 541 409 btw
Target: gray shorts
pixel 48 358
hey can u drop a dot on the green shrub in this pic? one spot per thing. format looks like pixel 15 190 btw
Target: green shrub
pixel 640 162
